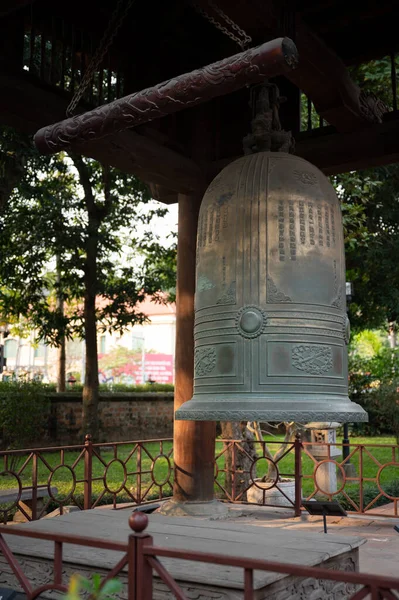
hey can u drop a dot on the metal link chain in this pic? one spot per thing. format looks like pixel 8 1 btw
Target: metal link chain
pixel 242 39
pixel 106 41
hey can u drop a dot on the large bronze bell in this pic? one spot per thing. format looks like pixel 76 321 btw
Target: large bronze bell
pixel 270 324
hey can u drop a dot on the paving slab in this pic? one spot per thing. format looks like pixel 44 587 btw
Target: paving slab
pixel 380 555
pixel 240 535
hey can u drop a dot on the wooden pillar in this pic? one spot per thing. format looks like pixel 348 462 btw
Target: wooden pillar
pixel 194 442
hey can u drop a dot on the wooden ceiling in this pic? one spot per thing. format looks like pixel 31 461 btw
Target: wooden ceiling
pixel 162 39
pixel 180 39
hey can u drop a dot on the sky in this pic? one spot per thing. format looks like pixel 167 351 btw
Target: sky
pixel 165 225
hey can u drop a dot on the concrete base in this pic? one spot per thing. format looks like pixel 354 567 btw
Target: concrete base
pixel 210 510
pixel 349 470
pixel 198 580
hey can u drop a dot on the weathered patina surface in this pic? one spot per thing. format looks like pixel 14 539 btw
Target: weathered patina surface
pixel 270 325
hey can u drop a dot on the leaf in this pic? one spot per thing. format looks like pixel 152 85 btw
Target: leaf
pixel 96 578
pixel 111 587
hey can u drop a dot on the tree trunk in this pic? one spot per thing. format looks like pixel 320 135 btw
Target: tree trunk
pixel 95 215
pixel 61 358
pixel 392 335
pixel 61 362
pixel 238 459
pixel 91 386
pixel 11 172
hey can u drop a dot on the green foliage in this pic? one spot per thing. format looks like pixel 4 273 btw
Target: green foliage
pixel 146 387
pixel 117 358
pixel 370 207
pixel 368 343
pixel 50 388
pixel 80 587
pixel 374 384
pixel 125 387
pixel 314 117
pixel 61 209
pixel 375 77
pixel 24 413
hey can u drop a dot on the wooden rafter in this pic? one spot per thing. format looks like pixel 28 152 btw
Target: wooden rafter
pixel 342 152
pixel 323 77
pixel 321 74
pixel 335 153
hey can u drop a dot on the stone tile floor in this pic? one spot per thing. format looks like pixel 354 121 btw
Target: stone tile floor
pixel 380 555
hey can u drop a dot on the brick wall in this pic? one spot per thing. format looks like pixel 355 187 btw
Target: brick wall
pixel 123 417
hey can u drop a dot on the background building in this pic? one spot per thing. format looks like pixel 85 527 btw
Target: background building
pixel 142 353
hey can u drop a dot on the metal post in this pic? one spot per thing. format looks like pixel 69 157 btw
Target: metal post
pixel 34 487
pixel 88 466
pixel 298 474
pixel 325 521
pixel 346 449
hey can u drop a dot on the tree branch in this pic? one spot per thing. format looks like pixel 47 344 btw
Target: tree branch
pixel 85 182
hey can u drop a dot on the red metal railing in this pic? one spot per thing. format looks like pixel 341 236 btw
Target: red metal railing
pixel 85 476
pixel 373 475
pixel 141 558
pixel 243 473
pixel 367 478
pixel 269 473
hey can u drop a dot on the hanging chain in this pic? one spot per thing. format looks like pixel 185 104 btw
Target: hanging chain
pixel 240 36
pixel 106 41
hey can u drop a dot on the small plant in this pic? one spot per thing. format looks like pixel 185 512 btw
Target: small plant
pixel 81 587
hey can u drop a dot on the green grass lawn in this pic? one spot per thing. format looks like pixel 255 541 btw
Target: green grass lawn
pixel 65 471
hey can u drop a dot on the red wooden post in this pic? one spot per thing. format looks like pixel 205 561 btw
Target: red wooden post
pixel 194 441
pixel 298 474
pixel 139 569
pixel 88 465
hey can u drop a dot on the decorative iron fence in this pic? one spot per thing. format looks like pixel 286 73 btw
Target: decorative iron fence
pixel 363 481
pixel 281 474
pixel 276 474
pixel 266 473
pixel 141 557
pixel 36 481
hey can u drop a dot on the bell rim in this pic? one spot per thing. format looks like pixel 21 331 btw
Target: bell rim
pixel 341 412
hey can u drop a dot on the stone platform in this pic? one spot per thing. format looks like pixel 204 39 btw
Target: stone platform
pixel 199 580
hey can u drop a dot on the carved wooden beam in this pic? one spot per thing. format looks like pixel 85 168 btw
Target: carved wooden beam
pixel 322 75
pixel 273 58
pixel 130 151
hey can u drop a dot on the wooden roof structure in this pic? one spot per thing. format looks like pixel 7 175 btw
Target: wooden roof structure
pixel 47 47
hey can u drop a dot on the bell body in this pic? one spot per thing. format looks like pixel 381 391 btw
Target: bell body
pixel 270 309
